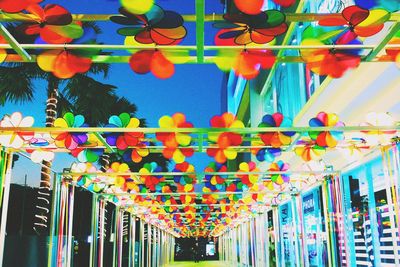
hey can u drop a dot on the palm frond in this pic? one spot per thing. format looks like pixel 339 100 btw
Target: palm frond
pixel 15 85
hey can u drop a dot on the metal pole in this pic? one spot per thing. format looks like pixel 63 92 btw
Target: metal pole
pixel 70 224
pixel 94 231
pixel 52 250
pixel 6 196
pixel 142 256
pixel 101 213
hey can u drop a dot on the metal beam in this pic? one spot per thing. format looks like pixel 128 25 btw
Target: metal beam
pixel 14 44
pixel 200 30
pixel 392 32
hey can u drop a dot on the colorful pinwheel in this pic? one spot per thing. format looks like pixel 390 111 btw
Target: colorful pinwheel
pixel 248 178
pixel 279 178
pixel 185 183
pixel 254 7
pixel 154 61
pixel 156 26
pixel 359 22
pixel 276 139
pixel 15 6
pixel 285 3
pixel 65 63
pixel 137 6
pixel 324 61
pixel 214 183
pixel 309 150
pixel 151 182
pixel 390 5
pixel 53 24
pixel 70 140
pixel 243 29
pixel 15 139
pixel 176 144
pixel 246 63
pixel 326 138
pixel 86 154
pixel 224 141
pixel 263 153
pixel 125 182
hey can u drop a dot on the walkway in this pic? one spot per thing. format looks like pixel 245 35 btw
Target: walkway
pixel 200 264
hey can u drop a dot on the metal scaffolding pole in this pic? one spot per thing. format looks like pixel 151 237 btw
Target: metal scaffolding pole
pixel 6 197
pixel 94 231
pixel 100 236
pixel 69 247
pixel 55 209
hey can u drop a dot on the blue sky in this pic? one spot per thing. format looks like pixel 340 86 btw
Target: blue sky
pixel 195 89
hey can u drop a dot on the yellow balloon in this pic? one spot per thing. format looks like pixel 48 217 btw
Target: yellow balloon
pixel 137 6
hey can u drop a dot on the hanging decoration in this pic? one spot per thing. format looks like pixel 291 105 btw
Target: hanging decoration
pixel 224 141
pixel 359 22
pixel 247 178
pixel 185 183
pixel 308 150
pixel 3 52
pixel 157 26
pixel 276 139
pixel 375 137
pixel 16 139
pixel 125 182
pixel 246 63
pixel 152 182
pixel 66 63
pixel 53 24
pixel 331 62
pixel 326 138
pixel 243 29
pixel 213 182
pixel 265 153
pixel 177 145
pixel 66 139
pixel 390 5
pixel 279 178
pixel 154 61
pixel 137 6
pixel 15 6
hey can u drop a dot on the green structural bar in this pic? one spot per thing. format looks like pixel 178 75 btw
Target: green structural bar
pixel 200 30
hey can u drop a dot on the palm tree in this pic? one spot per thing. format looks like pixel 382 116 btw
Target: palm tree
pixel 17 86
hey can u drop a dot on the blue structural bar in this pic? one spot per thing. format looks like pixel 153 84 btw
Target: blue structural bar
pixel 348 221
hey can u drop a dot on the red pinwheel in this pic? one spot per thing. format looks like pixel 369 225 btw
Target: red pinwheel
pixel 66 63
pixel 156 26
pixel 176 144
pixel 246 63
pixel 15 6
pixel 308 150
pixel 154 61
pixel 359 22
pixel 224 140
pixel 276 139
pixel 253 7
pixel 326 138
pixel 152 182
pixel 185 183
pixel 330 62
pixel 243 29
pixel 53 23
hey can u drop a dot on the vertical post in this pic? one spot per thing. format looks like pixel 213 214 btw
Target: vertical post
pixel 348 221
pixel 142 256
pixel 132 237
pixel 101 216
pixel 70 223
pixel 373 220
pixel 295 228
pixel 329 223
pixel 52 251
pixel 149 239
pixel 6 196
pixel 277 236
pixel 94 231
pixel 120 235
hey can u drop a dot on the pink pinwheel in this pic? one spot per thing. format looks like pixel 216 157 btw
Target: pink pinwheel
pixel 69 140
